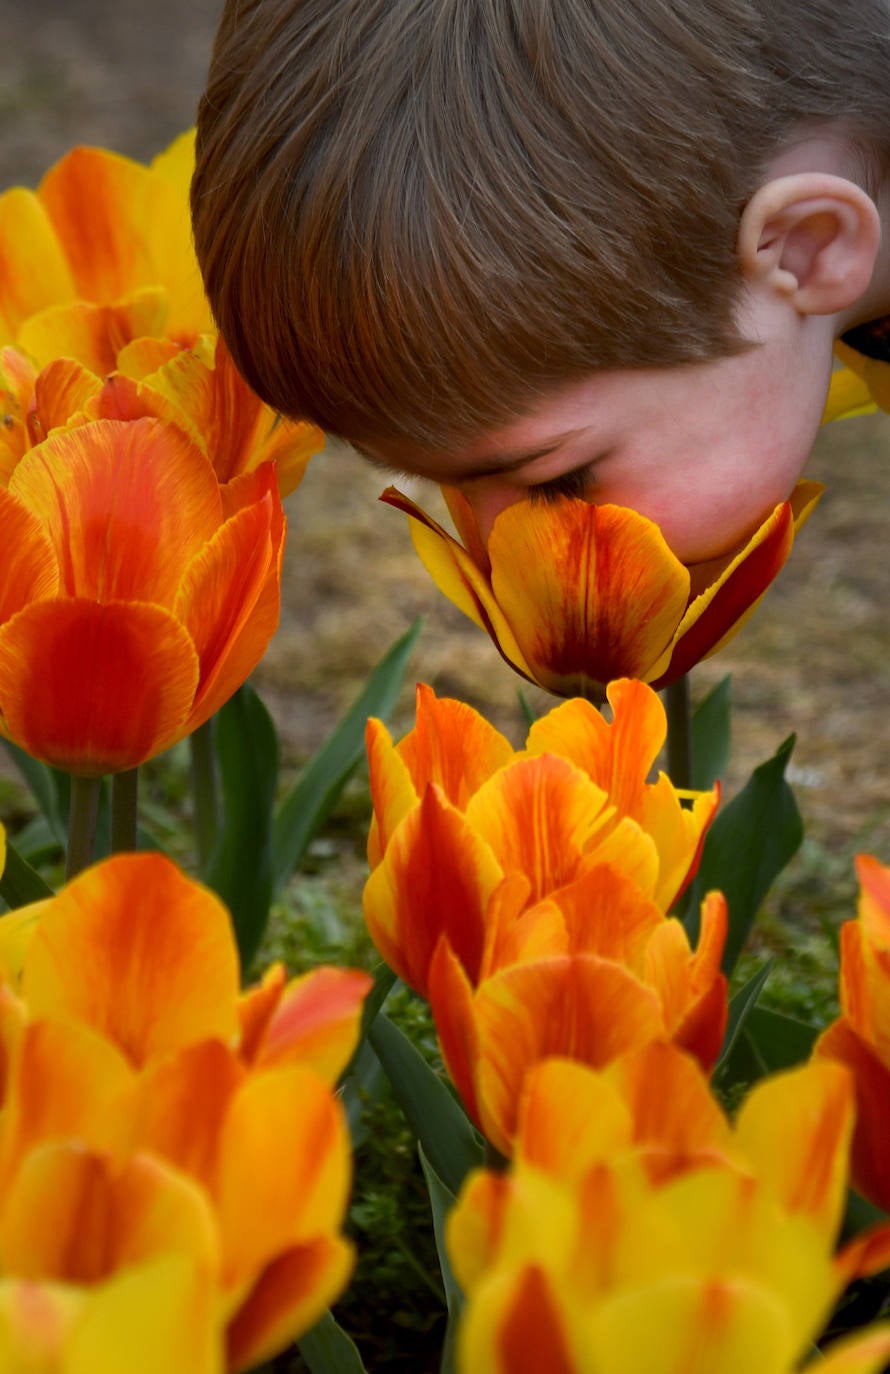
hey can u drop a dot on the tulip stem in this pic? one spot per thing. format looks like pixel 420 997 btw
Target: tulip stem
pixel 82 816
pixel 679 740
pixel 204 792
pixel 124 794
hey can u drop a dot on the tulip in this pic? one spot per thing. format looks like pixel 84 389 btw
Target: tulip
pixel 575 595
pixel 99 255
pixel 140 594
pixel 617 1241
pixel 138 1046
pixel 859 386
pixel 860 1037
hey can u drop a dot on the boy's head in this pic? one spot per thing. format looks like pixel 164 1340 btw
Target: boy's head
pixel 618 234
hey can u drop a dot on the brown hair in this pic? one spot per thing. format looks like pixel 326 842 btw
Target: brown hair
pixel 414 215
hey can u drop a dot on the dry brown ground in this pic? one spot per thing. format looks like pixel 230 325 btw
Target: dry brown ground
pixel 815 659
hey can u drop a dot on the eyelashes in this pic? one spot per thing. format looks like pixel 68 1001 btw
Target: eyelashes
pixel 576 483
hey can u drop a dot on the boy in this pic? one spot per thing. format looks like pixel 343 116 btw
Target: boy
pixel 598 247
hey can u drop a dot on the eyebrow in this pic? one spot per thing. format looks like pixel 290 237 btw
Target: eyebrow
pixel 496 465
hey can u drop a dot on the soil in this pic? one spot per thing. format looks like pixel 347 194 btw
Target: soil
pixel 815 659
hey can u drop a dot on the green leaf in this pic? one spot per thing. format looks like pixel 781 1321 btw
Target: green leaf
pixel 19 882
pixel 712 735
pixel 314 795
pixel 747 846
pixel 441 1202
pixel 451 1142
pixel 327 1349
pixel 43 783
pixel 740 1008
pixel 781 1041
pixel 240 869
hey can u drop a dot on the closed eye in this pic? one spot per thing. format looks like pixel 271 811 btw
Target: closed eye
pixel 576 483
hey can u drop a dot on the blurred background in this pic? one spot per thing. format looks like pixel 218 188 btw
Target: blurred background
pixel 815 659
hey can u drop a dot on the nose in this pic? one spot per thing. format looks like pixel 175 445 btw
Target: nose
pixel 487 500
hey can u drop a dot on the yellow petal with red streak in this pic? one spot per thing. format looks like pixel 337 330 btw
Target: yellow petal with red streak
pixel 288 1299
pixel 34 271
pixel 95 689
pixel 183 1100
pixel 676 1119
pixel 606 913
pixel 140 952
pixel 255 1008
pixel 94 334
pixel 392 791
pixel 126 506
pixel 591 592
pixel 869 1157
pixel 570 1118
pixel 284 1170
pixel 451 999
pixel 75 1216
pixel 517 1325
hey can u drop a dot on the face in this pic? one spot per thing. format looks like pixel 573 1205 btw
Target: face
pixel 706 450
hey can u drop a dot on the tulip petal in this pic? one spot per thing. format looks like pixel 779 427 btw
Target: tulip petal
pixel 316 1022
pixel 256 1006
pixel 169 233
pixel 62 391
pixel 529 1333
pixel 392 791
pixel 93 334
pixel 284 1168
pixel 30 570
pixel 73 1216
pixel 126 505
pixel 676 1118
pixel 288 1299
pixel 570 1118
pixel 866 1353
pixel 140 952
pixel 606 913
pixel 34 272
pixel 451 999
pixel 453 746
pixel 230 597
pixel 617 756
pixel 869 1157
pixel 538 815
pixel 591 592
pixel 183 1102
pixel 435 879
pixel 95 689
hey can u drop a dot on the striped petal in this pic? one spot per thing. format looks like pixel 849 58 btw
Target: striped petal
pixel 30 568
pixel 591 592
pixel 316 1022
pixel 94 334
pixel 517 1326
pixel 126 506
pixel 453 746
pixel 141 953
pixel 95 689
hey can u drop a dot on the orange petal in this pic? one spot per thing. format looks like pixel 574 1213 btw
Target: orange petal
pixel 453 746
pixel 95 689
pixel 183 1102
pixel 126 506
pixel 605 913
pixel 30 569
pixel 591 592
pixel 34 272
pixel 531 1334
pixel 517 932
pixel 570 1118
pixel 583 1008
pixel 451 999
pixel 435 879
pixel 255 1008
pixel 63 390
pixel 537 815
pixel 316 1022
pixel 392 791
pixel 288 1299
pixel 869 1157
pixel 676 1119
pixel 98 203
pixel 74 1216
pixel 140 952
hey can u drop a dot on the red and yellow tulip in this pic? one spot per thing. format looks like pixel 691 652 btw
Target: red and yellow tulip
pixel 637 1230
pixel 524 892
pixel 575 595
pixel 138 596
pixel 860 1037
pixel 197 1124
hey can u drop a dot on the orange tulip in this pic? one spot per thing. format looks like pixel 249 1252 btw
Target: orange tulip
pixel 138 1047
pixel 523 892
pixel 860 1037
pixel 140 595
pixel 575 595
pixel 101 254
pixel 637 1229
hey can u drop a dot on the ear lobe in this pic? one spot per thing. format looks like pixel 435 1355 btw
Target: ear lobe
pixel 813 238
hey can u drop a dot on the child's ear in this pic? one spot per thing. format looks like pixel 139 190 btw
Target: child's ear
pixel 813 238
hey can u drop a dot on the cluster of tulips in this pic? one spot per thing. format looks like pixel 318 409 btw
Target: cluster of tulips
pixel 174 1151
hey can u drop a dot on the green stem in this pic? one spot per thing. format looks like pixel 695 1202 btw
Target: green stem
pixel 124 794
pixel 82 816
pixel 679 740
pixel 204 791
